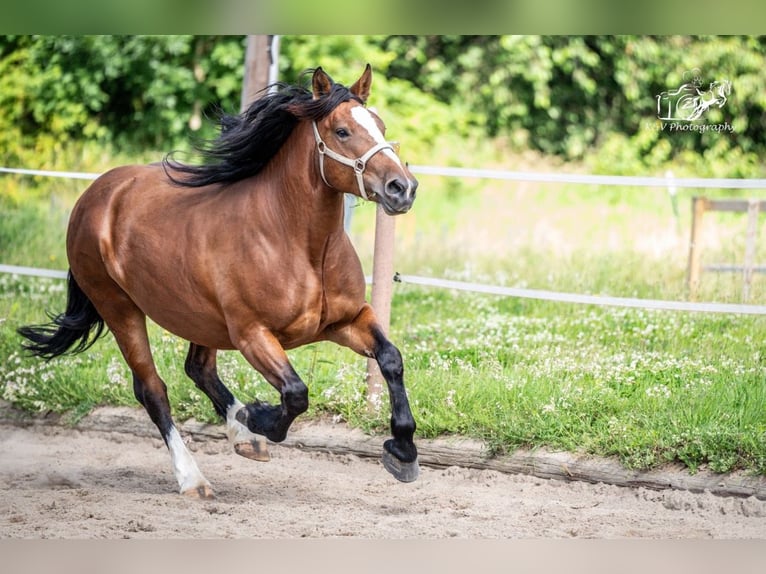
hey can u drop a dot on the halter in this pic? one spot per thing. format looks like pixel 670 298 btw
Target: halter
pixel 358 164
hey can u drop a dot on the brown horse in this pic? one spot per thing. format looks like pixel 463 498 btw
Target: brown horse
pixel 245 251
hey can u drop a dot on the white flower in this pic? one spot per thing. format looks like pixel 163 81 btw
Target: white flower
pixel 115 373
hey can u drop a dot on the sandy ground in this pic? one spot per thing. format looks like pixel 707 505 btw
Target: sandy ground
pixel 57 482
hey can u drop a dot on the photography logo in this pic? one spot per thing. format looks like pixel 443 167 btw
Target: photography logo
pixel 690 101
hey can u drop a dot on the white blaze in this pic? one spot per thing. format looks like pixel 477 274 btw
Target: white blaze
pixel 364 118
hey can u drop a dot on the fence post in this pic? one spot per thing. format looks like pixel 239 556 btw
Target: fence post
pixel 753 207
pixel 699 205
pixel 382 288
pixel 259 57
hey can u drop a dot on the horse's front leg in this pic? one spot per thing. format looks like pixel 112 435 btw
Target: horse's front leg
pixel 365 336
pixel 266 355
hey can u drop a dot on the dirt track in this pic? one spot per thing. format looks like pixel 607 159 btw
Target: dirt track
pixel 57 482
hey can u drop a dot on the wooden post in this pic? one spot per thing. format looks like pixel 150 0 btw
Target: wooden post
pixel 257 64
pixel 699 205
pixel 753 207
pixel 382 288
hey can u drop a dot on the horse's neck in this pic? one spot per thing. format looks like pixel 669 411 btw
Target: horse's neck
pixel 312 209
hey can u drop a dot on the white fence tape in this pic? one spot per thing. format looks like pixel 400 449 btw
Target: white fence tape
pixel 45 173
pixel 602 300
pixel 621 180
pixel 33 271
pixel 543 295
pixel 509 291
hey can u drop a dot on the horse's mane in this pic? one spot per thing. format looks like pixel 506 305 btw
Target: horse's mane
pixel 248 141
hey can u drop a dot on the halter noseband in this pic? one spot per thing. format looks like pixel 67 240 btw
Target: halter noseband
pixel 358 164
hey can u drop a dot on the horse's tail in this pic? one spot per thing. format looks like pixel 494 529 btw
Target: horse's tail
pixel 72 328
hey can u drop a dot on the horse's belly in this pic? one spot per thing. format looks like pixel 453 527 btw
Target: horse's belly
pixel 293 324
pixel 198 328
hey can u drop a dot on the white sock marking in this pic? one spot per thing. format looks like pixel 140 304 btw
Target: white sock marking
pixel 185 468
pixel 235 430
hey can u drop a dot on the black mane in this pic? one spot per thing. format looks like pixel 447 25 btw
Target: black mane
pixel 249 140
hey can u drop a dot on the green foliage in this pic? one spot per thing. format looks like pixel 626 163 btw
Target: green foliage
pixel 571 96
pixel 139 93
pixel 131 92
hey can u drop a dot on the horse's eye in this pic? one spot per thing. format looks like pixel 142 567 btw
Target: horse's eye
pixel 342 133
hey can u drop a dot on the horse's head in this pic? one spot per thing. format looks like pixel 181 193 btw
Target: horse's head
pixel 724 87
pixel 354 156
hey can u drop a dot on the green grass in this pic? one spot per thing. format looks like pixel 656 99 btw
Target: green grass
pixel 646 387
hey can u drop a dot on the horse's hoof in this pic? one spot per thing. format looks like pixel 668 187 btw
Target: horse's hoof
pixel 402 471
pixel 262 419
pixel 257 449
pixel 202 492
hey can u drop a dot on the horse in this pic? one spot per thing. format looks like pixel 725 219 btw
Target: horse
pixel 716 95
pixel 244 250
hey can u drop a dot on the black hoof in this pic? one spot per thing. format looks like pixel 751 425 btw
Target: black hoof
pixel 402 471
pixel 263 418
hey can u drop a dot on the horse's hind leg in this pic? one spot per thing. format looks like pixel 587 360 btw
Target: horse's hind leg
pixel 201 368
pixel 128 324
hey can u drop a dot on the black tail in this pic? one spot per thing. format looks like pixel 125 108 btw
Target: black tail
pixel 72 327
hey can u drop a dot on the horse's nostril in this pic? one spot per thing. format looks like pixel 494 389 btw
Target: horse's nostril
pixel 396 186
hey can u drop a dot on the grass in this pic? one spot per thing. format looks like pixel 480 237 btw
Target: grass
pixel 646 387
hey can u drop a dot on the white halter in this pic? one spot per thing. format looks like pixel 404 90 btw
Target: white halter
pixel 358 164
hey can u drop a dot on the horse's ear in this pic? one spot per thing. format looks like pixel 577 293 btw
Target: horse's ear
pixel 321 83
pixel 361 88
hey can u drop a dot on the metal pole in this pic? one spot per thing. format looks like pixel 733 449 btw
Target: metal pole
pixel 274 60
pixel 382 289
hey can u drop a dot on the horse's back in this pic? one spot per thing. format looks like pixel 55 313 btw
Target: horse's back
pixel 102 194
pixel 129 238
pixel 89 221
pixel 106 208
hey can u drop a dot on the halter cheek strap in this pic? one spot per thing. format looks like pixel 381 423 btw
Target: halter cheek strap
pixel 358 164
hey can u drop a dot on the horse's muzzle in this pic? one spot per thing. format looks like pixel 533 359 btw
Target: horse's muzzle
pixel 398 195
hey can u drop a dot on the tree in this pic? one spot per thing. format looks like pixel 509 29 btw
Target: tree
pixel 572 96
